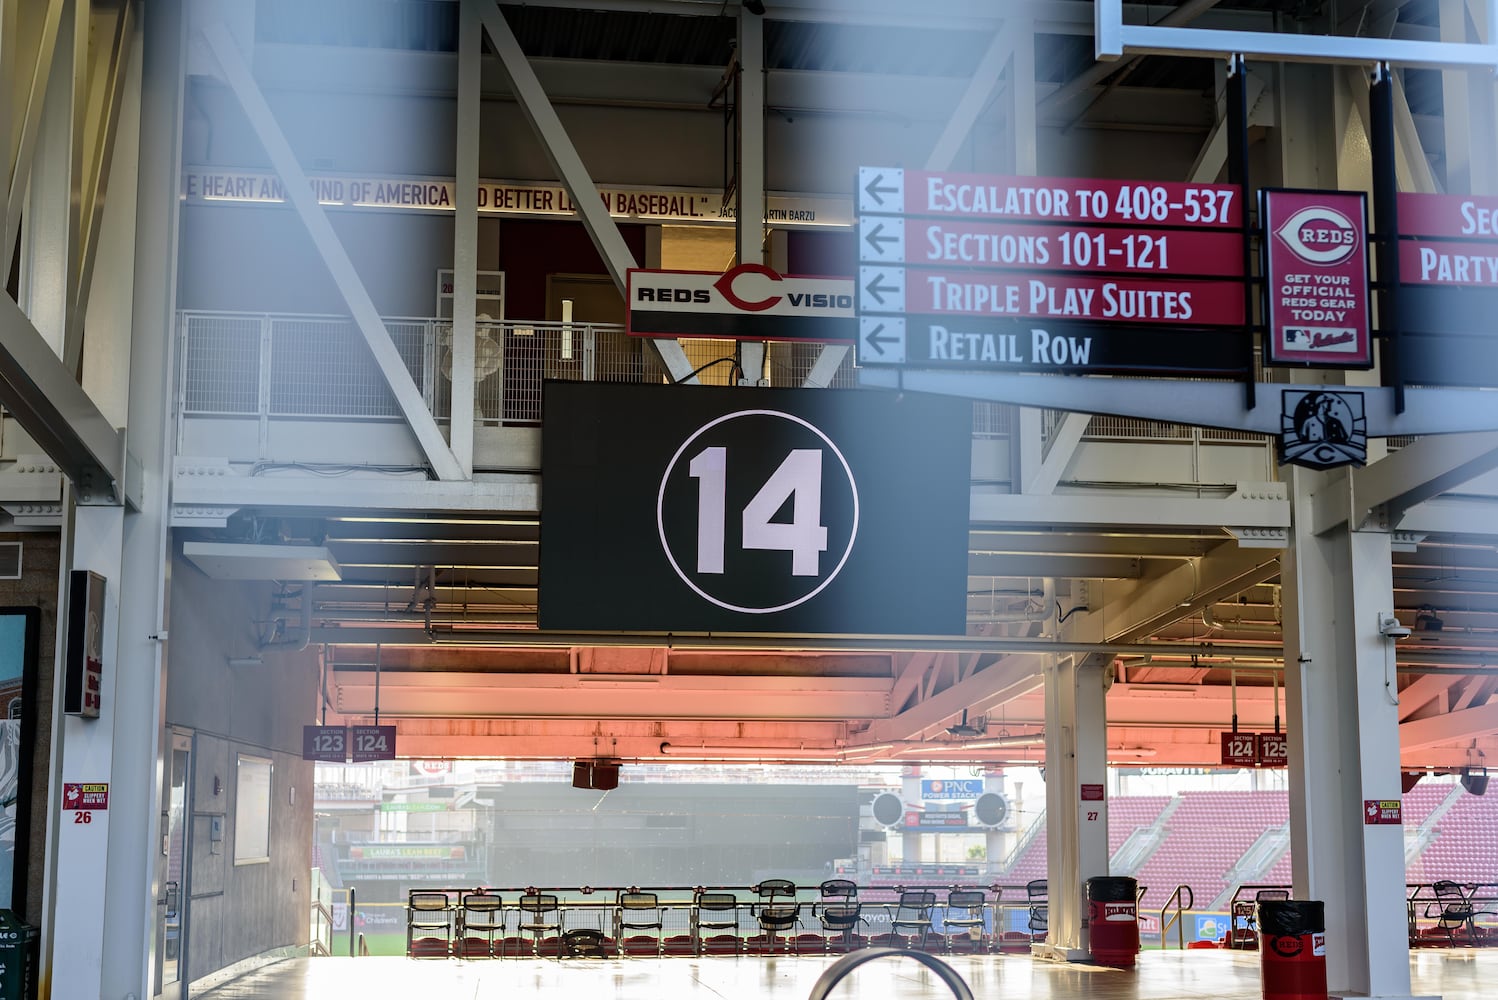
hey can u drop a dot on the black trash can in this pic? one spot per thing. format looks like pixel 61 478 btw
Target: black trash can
pixel 1113 919
pixel 1292 949
pixel 19 946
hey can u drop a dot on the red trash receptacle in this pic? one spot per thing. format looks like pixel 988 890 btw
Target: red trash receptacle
pixel 1292 949
pixel 1113 919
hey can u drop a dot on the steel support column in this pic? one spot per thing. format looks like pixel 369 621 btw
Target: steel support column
pixel 1343 726
pixel 1076 743
pixel 749 179
pixel 466 235
pixel 101 879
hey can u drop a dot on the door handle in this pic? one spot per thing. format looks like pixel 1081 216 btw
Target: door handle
pixel 171 899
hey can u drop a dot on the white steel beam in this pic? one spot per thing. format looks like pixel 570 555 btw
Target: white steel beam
pixel 1002 681
pixel 21 136
pixel 569 168
pixel 1064 441
pixel 440 695
pixel 1100 71
pixel 1451 516
pixel 362 308
pixel 101 112
pixel 54 409
pixel 1449 727
pixel 466 235
pixel 1208 404
pixel 1140 608
pixel 49 228
pixel 1249 508
pixel 557 145
pixel 975 97
pixel 1421 471
pixel 202 486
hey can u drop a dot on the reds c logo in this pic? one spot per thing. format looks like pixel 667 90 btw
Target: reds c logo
pixel 725 287
pixel 1319 235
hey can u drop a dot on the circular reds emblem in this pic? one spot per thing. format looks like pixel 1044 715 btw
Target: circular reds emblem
pixel 1319 235
pixel 1288 946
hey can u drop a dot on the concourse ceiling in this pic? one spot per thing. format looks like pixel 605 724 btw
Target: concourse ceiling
pixel 442 605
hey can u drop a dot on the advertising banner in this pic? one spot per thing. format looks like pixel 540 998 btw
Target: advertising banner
pixel 950 789
pixel 1315 251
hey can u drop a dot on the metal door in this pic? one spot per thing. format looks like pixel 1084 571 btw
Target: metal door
pixel 171 903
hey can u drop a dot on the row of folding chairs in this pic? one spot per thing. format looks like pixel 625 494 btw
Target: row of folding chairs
pixel 440 923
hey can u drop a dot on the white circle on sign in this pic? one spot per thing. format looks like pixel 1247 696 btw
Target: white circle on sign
pixel 1319 235
pixel 821 581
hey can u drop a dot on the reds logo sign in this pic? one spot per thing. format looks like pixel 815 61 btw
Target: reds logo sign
pixel 1319 235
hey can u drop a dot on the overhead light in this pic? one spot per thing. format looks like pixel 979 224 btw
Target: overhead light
pixel 747 752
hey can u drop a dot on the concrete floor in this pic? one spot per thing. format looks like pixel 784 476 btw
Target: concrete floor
pixel 1456 974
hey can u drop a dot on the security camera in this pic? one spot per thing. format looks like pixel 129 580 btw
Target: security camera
pixel 1391 627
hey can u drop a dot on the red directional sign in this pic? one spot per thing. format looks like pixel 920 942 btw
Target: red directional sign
pixel 1052 199
pixel 1039 247
pixel 1056 296
pixel 1450 215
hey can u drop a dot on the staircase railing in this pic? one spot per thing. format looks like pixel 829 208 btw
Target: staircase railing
pixel 1182 900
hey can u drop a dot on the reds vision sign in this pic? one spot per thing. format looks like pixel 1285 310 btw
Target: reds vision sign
pixel 749 302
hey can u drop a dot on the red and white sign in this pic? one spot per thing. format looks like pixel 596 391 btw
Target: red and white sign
pixel 1274 750
pixel 1092 793
pixel 1452 215
pixel 1239 750
pixel 1316 278
pixel 1383 812
pixel 431 767
pixel 1049 199
pixel 85 795
pixel 749 302
pixel 1040 247
pixel 1430 262
pixel 1155 301
pixel 367 743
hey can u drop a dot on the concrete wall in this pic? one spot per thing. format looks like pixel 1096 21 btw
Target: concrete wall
pixel 238 911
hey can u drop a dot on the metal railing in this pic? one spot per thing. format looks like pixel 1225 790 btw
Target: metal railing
pixel 1182 905
pixel 276 366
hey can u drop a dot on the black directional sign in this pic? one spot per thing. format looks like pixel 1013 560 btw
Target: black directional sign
pixel 753 510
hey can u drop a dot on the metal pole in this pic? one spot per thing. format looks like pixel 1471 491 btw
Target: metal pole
pixel 1386 225
pixel 351 899
pixel 1237 123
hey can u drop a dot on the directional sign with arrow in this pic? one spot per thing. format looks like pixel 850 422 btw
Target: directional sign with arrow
pixel 881 240
pixel 881 289
pixel 881 189
pixel 881 340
